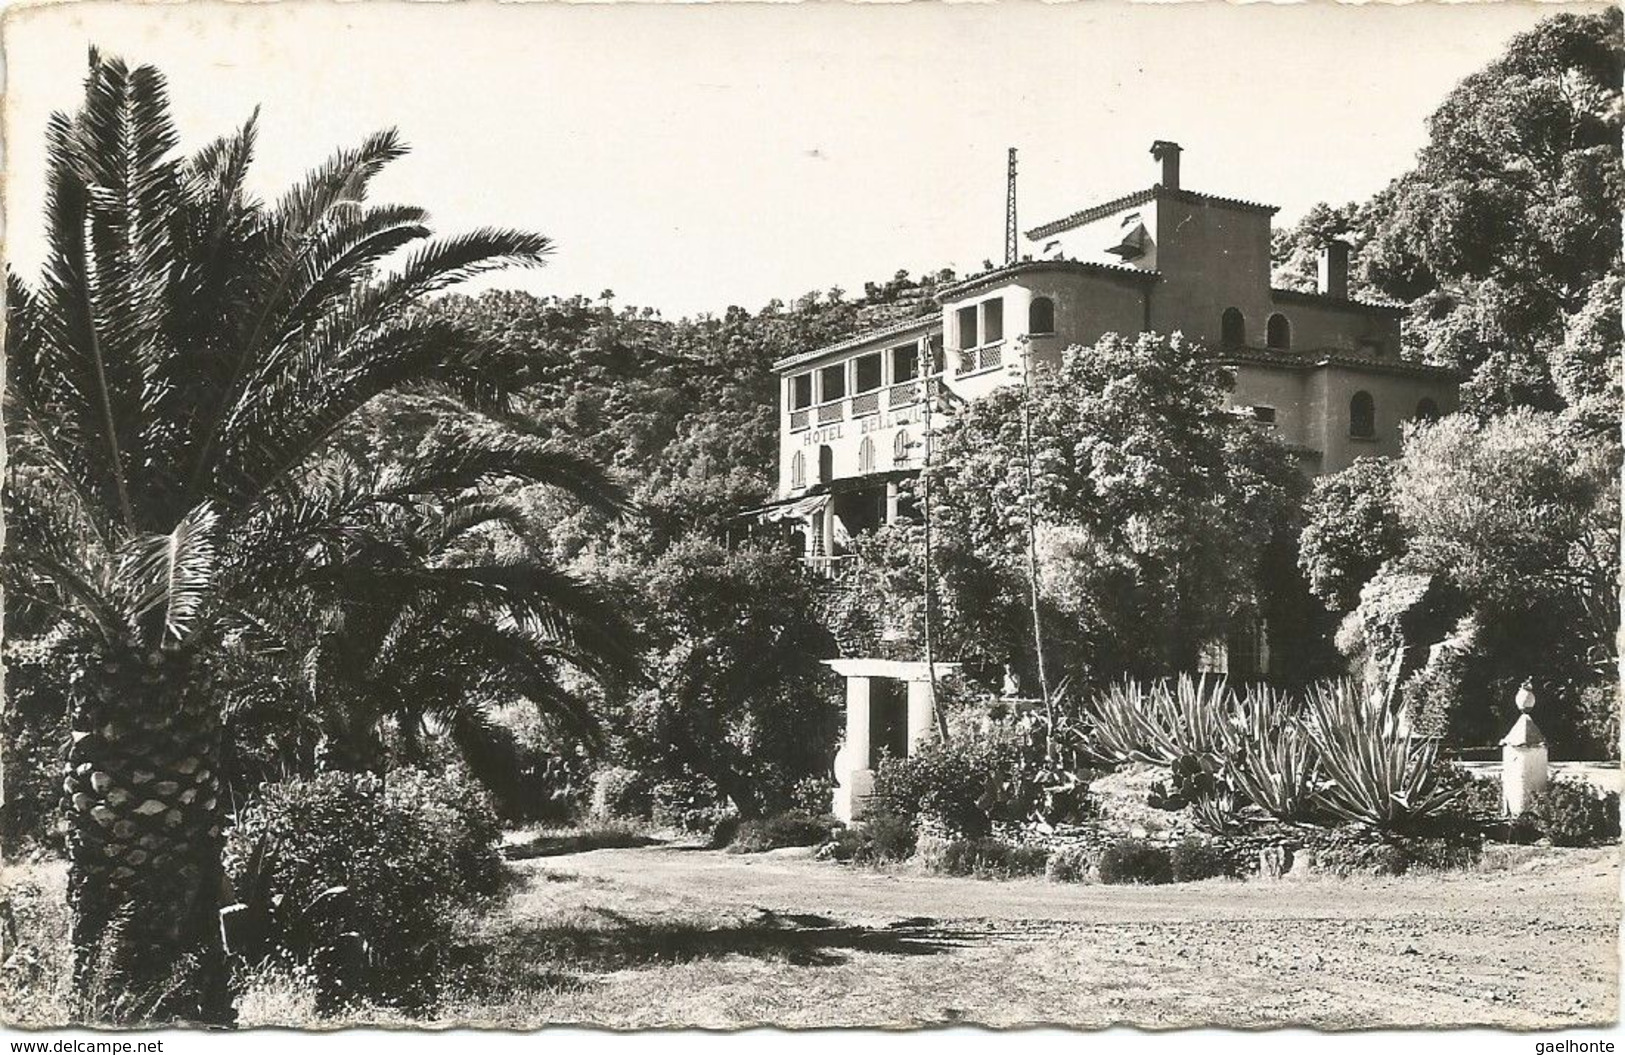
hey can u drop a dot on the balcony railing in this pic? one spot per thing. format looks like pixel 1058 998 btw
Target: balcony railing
pixel 983 357
pixel 799 419
pixel 866 403
pixel 829 412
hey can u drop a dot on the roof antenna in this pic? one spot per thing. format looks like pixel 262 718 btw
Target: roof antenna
pixel 1010 214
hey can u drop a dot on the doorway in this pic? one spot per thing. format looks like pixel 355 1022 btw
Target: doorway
pixel 888 719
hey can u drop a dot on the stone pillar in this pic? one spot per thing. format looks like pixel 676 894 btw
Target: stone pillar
pixel 854 779
pixel 921 715
pixel 1523 758
pixel 891 502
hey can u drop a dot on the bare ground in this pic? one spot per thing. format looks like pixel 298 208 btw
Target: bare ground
pixel 666 936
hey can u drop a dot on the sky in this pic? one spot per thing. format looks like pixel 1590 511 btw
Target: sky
pixel 691 157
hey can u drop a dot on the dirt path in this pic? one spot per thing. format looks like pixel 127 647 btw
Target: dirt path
pixel 672 936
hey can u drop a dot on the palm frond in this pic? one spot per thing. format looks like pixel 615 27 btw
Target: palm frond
pixel 172 574
pixel 470 459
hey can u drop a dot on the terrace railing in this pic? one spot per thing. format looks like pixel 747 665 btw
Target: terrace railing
pixel 983 357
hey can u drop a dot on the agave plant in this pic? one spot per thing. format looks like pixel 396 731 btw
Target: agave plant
pixel 1270 757
pixel 1375 773
pixel 186 355
pixel 1156 722
pixel 1121 727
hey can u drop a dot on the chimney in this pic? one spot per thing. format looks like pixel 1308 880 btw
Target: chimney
pixel 1168 154
pixel 1334 269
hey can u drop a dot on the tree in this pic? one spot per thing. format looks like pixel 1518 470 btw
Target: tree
pixel 1508 227
pixel 411 595
pixel 741 696
pixel 187 354
pixel 1352 529
pixel 1515 513
pixel 1487 554
pixel 1155 506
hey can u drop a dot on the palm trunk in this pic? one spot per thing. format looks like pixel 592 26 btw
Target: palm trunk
pixel 144 841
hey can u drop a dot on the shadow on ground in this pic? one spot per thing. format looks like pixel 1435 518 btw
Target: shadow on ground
pixel 565 956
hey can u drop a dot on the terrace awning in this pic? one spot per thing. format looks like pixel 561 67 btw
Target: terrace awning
pixel 789 509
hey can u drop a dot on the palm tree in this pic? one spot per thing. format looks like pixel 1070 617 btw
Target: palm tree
pixel 187 355
pixel 429 609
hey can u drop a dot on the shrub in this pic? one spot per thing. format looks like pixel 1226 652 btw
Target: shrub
pixel 881 839
pixel 1135 861
pixel 1351 854
pixel 1196 859
pixel 1596 720
pixel 621 794
pixel 811 795
pixel 940 783
pixel 784 829
pixel 689 804
pixel 348 866
pixel 985 858
pixel 1070 864
pixel 1572 813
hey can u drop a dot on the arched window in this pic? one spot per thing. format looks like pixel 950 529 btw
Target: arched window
pixel 1427 410
pixel 1278 332
pixel 798 470
pixel 866 455
pixel 899 448
pixel 1041 316
pixel 1362 416
pixel 826 464
pixel 1232 328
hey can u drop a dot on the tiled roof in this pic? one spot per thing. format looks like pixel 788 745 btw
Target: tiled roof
pixel 1323 300
pixel 1094 212
pixel 925 322
pixel 1140 197
pixel 1087 267
pixel 1315 358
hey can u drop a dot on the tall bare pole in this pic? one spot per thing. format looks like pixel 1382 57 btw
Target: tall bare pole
pixel 927 370
pixel 1010 213
pixel 1024 349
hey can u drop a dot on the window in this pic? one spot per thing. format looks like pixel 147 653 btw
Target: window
pixel 1232 329
pixel 1362 416
pixel 832 383
pixel 992 320
pixel 1041 316
pixel 905 363
pixel 866 455
pixel 1264 414
pixel 798 470
pixel 867 368
pixel 899 448
pixel 1278 332
pixel 967 327
pixel 826 464
pixel 800 391
pixel 1427 410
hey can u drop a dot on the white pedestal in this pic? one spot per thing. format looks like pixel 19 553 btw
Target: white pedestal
pixel 1524 768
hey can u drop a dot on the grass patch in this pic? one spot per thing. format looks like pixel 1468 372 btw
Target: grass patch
pixel 556 842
